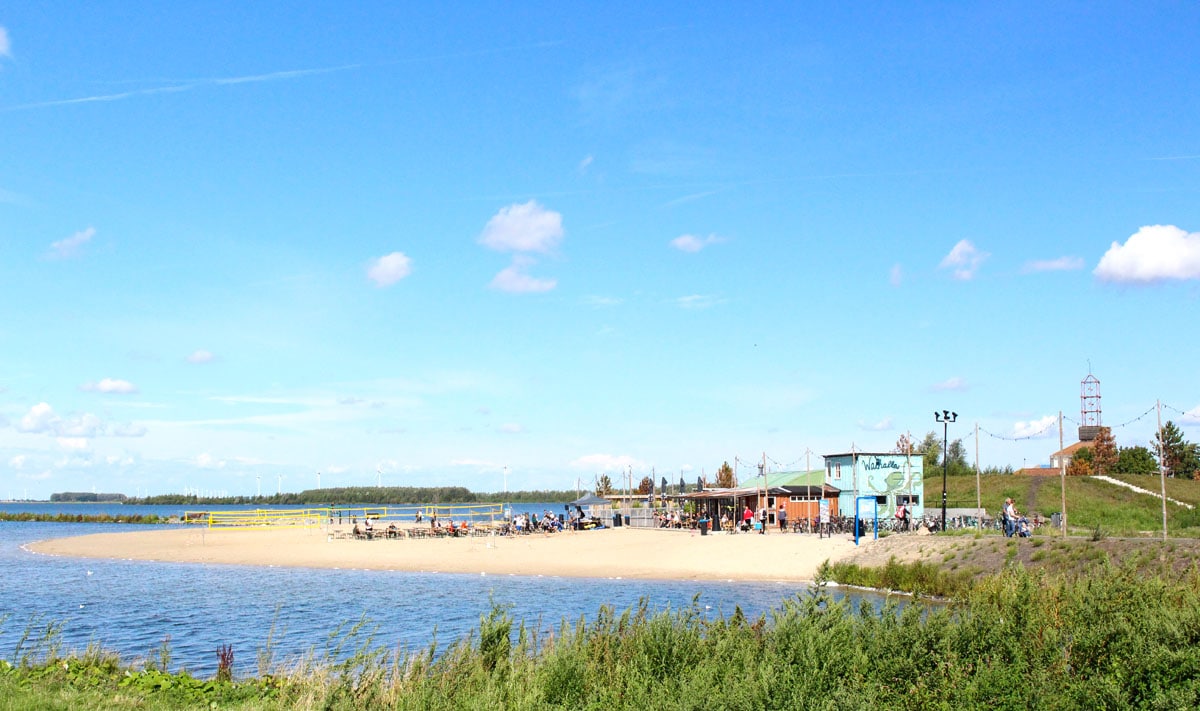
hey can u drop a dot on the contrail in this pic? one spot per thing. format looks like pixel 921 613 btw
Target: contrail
pixel 270 76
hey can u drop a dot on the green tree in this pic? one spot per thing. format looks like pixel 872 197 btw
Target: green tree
pixel 1178 456
pixel 1104 452
pixel 931 450
pixel 604 485
pixel 725 478
pixel 646 485
pixel 1135 460
pixel 1081 462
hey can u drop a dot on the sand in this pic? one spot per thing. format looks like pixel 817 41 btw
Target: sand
pixel 606 553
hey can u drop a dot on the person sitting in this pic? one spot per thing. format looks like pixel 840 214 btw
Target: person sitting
pixel 417 518
pixel 357 532
pixel 392 531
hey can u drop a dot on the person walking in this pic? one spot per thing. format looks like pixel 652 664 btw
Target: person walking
pixel 762 520
pixel 1010 517
pixel 781 517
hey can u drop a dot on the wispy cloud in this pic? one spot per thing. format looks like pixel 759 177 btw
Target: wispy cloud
pixel 510 428
pixel 514 279
pixel 586 162
pixel 5 46
pixel 389 269
pixel 110 386
pixel 896 275
pixel 1062 264
pixel 882 426
pixel 964 260
pixel 697 301
pixel 602 301
pixel 200 357
pixel 954 384
pixel 1154 253
pixel 71 246
pixel 693 244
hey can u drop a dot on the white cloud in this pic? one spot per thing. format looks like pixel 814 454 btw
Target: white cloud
pixel 514 280
pixel 1191 417
pixel 606 462
pixel 964 260
pixel 523 228
pixel 587 161
pixel 5 46
pixel 86 425
pixel 1036 429
pixel 693 244
pixel 208 461
pixel 40 418
pixel 200 357
pixel 882 426
pixel 510 428
pixel 477 463
pixel 110 386
pixel 950 384
pixel 1155 253
pixel 389 269
pixel 896 275
pixel 18 461
pixel 599 301
pixel 71 246
pixel 1062 264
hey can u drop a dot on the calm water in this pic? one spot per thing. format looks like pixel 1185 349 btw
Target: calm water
pixel 131 606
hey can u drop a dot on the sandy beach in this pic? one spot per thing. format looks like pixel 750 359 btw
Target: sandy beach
pixel 607 553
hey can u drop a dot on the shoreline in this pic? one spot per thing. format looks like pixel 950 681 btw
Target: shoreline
pixel 620 553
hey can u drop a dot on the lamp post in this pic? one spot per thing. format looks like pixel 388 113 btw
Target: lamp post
pixel 945 417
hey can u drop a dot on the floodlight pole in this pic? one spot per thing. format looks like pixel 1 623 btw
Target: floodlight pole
pixel 945 417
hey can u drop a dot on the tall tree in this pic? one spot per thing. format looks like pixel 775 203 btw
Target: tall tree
pixel 1104 452
pixel 904 445
pixel 930 449
pixel 1178 456
pixel 1081 462
pixel 1135 460
pixel 604 485
pixel 646 485
pixel 725 476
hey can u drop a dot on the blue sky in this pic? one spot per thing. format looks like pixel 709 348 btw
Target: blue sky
pixel 244 244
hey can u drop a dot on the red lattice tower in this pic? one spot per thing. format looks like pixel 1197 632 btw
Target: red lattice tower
pixel 1089 410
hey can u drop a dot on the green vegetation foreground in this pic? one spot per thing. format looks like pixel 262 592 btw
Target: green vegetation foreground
pixel 1115 639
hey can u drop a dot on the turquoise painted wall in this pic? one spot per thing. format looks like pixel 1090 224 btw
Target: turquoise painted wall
pixel 886 475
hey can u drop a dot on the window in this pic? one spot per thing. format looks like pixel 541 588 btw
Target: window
pixel 837 471
pixel 881 499
pixel 803 499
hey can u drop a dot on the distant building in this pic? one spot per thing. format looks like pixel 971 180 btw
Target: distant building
pixel 891 478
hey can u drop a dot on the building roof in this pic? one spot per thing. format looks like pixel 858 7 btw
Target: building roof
pixel 1071 449
pixel 816 477
pixel 915 455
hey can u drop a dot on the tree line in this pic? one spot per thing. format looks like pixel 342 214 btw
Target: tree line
pixel 365 495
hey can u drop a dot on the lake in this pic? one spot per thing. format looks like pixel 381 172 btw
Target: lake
pixel 130 607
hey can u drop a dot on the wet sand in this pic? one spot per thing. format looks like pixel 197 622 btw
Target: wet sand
pixel 606 553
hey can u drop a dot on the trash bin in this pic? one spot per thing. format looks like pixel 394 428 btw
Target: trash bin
pixel 703 523
pixel 616 520
pixel 626 520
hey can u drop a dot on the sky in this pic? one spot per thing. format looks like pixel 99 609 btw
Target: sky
pixel 275 246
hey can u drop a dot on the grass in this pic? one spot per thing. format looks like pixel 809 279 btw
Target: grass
pixel 1091 503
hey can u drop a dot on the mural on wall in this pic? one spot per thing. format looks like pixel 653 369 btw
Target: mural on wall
pixel 888 475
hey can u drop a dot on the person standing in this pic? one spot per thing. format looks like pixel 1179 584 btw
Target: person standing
pixel 1010 517
pixel 902 517
pixel 781 517
pixel 747 518
pixel 762 520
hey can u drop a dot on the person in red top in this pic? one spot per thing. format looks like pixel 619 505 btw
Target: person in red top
pixel 747 518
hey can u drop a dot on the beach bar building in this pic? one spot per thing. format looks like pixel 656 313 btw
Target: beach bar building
pixel 799 493
pixel 893 479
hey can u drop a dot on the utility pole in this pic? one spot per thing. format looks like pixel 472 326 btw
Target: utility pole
pixel 378 478
pixel 1062 465
pixel 318 480
pixel 1162 469
pixel 978 494
pixel 259 478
